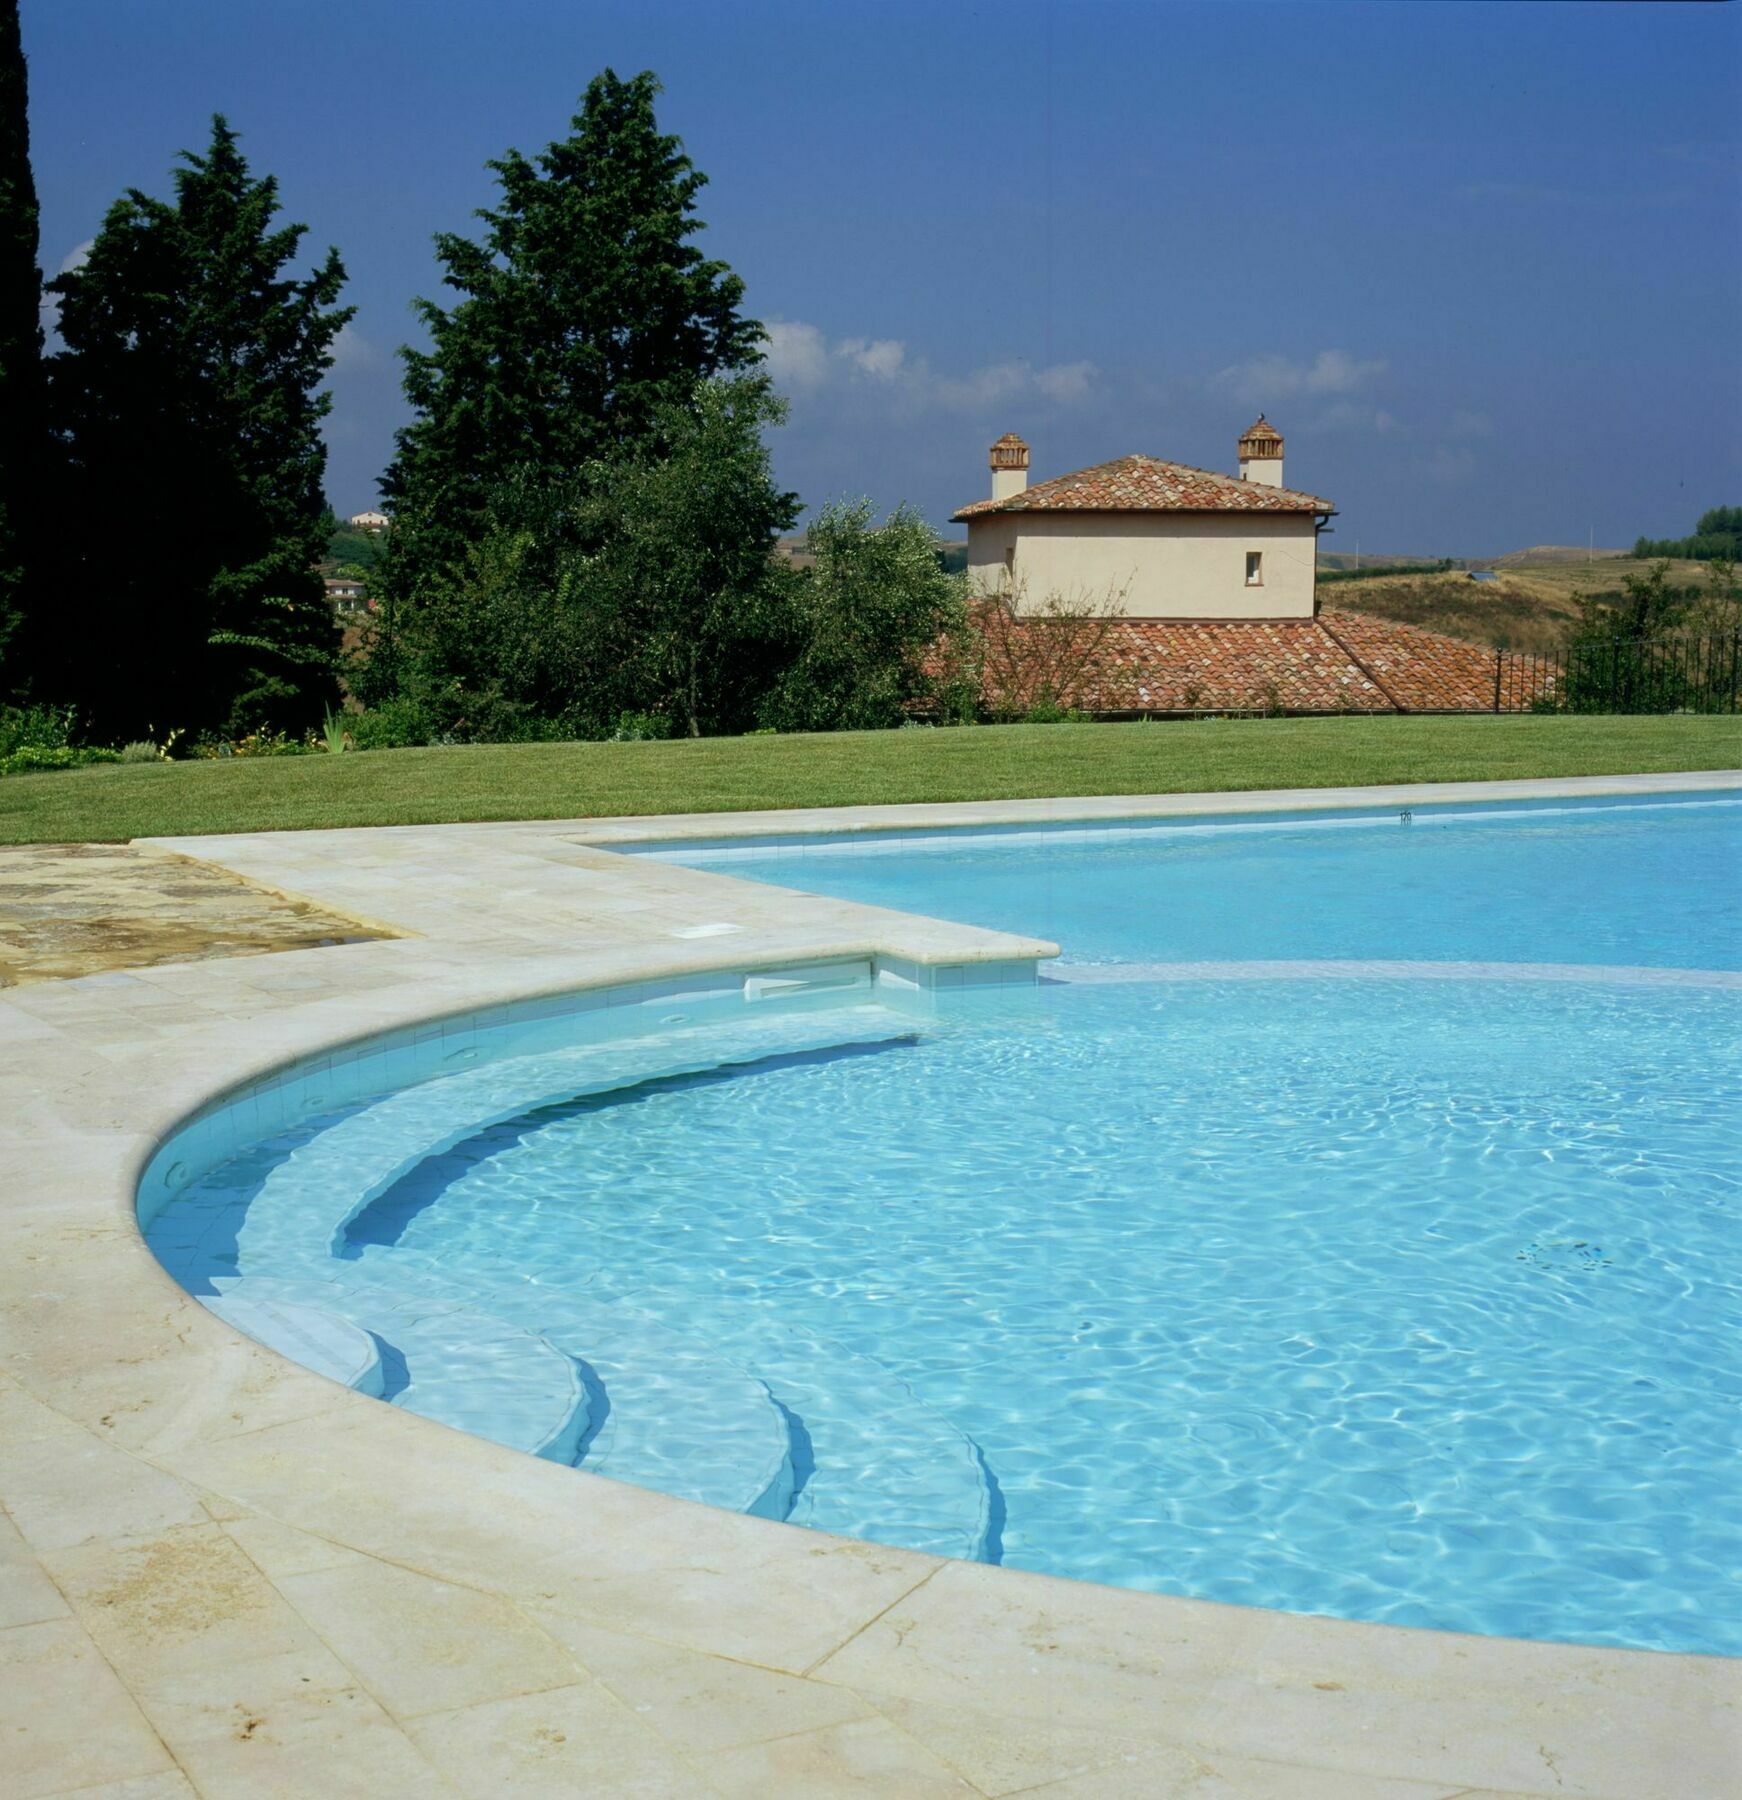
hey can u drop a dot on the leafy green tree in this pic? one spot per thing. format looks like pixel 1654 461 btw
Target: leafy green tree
pixel 682 589
pixel 1717 538
pixel 585 310
pixel 870 610
pixel 645 584
pixel 1619 658
pixel 23 443
pixel 189 389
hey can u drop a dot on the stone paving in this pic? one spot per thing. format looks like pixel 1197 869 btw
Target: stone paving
pixel 223 1575
pixel 78 909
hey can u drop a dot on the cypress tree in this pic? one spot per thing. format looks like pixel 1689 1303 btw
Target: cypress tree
pixel 188 393
pixel 22 441
pixel 584 310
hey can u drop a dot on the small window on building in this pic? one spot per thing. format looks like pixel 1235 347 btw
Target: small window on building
pixel 1255 568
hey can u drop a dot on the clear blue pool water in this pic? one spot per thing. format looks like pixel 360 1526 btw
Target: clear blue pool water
pixel 1593 882
pixel 1391 1298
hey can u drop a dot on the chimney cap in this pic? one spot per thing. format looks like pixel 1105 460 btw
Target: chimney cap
pixel 1009 452
pixel 1257 439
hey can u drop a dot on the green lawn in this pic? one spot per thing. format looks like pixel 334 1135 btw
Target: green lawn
pixel 113 802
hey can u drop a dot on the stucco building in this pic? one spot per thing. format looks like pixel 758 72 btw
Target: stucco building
pixel 1201 594
pixel 1148 539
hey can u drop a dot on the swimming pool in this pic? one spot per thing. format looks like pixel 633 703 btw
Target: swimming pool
pixel 1247 1258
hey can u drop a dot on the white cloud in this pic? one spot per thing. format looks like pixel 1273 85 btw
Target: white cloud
pixel 803 361
pixel 880 358
pixel 351 350
pixel 1265 379
pixel 1066 382
pixel 1352 415
pixel 798 355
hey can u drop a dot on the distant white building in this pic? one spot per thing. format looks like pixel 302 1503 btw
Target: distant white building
pixel 370 521
pixel 347 594
pixel 1150 539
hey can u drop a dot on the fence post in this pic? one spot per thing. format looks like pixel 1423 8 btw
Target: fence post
pixel 1497 656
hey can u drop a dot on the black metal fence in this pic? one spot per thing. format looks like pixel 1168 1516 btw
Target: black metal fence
pixel 1690 672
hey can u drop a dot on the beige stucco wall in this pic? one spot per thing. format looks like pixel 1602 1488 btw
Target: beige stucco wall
pixel 1267 469
pixel 1149 565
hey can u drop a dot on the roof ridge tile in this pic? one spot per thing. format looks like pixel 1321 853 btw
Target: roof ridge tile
pixel 1142 483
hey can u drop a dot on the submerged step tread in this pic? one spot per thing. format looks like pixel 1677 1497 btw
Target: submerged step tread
pixel 588 1378
pixel 464 1367
pixel 314 1336
pixel 887 1466
pixel 680 1418
pixel 358 1156
pixel 882 1464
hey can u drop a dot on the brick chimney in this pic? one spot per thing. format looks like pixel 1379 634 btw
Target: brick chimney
pixel 1261 453
pixel 1009 459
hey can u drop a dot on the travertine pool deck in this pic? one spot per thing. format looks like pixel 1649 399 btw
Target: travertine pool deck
pixel 223 1575
pixel 79 909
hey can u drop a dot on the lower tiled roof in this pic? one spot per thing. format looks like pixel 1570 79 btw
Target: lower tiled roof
pixel 1424 671
pixel 1336 662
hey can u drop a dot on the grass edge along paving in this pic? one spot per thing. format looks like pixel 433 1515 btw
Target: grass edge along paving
pixel 110 803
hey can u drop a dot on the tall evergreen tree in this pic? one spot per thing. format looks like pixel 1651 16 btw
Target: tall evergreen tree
pixel 22 441
pixel 190 388
pixel 585 309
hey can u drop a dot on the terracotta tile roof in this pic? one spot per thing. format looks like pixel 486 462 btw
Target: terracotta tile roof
pixel 1146 484
pixel 1335 663
pixel 1424 671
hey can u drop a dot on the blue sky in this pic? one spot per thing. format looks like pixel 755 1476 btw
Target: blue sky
pixel 1481 263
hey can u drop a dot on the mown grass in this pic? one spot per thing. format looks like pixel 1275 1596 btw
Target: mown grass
pixel 111 803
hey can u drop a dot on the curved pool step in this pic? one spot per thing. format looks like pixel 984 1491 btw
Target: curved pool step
pixel 314 1336
pixel 299 1209
pixel 674 1415
pixel 813 1434
pixel 885 1465
pixel 818 1436
pixel 480 1374
pixel 447 1361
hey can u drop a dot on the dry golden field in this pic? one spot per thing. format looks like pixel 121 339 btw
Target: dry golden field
pixel 1531 607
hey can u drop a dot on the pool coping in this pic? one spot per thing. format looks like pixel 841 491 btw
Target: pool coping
pixel 219 1579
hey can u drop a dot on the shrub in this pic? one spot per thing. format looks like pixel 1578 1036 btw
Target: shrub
pixel 395 724
pixel 1041 657
pixel 868 616
pixel 1049 712
pixel 640 727
pixel 255 743
pixel 28 759
pixel 35 728
pixel 141 750
pixel 33 738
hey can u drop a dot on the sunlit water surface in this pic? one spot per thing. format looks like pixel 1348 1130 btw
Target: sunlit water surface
pixel 1391 1298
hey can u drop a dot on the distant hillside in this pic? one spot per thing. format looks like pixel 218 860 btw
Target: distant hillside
pixel 1531 607
pixel 351 548
pixel 1349 559
pixel 1552 553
